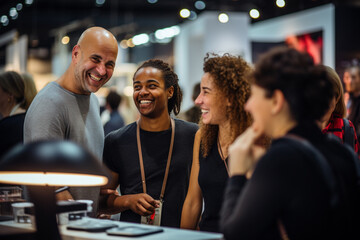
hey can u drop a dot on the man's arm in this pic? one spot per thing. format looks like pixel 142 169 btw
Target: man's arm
pixel 111 202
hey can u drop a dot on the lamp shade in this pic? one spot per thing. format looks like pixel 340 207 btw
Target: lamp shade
pixel 52 163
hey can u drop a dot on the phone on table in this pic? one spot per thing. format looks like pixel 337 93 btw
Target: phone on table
pixel 133 231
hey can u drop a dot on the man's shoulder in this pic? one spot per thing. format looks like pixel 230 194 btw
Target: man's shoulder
pixel 51 93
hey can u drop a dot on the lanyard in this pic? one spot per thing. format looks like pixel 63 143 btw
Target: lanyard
pixel 168 160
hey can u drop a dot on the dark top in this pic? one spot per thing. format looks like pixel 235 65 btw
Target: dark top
pixel 336 126
pixel 121 156
pixel 116 121
pixel 212 181
pixel 354 115
pixel 285 185
pixel 11 132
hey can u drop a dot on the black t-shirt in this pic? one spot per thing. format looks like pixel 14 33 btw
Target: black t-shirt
pixel 212 181
pixel 121 156
pixel 285 185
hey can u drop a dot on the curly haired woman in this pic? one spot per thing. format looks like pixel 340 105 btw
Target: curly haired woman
pixel 224 91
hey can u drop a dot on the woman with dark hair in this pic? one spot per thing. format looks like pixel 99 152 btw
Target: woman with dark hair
pixel 334 121
pixel 151 158
pixel 15 98
pixel 305 185
pixel 224 91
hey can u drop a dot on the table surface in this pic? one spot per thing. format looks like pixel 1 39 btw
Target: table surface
pixel 168 233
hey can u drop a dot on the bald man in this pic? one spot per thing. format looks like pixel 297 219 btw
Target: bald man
pixel 67 108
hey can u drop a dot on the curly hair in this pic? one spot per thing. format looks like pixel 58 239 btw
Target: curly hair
pixel 230 74
pixel 171 80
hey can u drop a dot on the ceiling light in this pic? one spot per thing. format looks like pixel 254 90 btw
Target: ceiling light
pixel 123 44
pixel 152 1
pixel 99 3
pixel 200 5
pixel 140 39
pixel 13 13
pixel 223 18
pixel 184 13
pixel 29 2
pixel 4 20
pixel 19 6
pixel 280 3
pixel 130 43
pixel 193 15
pixel 254 13
pixel 65 40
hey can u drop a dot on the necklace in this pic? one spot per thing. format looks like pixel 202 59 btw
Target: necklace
pixel 222 155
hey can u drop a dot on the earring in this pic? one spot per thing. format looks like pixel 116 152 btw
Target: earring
pixel 169 97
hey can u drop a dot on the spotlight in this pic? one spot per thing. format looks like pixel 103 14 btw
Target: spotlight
pixel 99 3
pixel 141 39
pixel 254 13
pixel 152 1
pixel 184 13
pixel 19 6
pixel 280 3
pixel 13 13
pixel 200 5
pixel 29 2
pixel 193 15
pixel 123 44
pixel 223 18
pixel 65 40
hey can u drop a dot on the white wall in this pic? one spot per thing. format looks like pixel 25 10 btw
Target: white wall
pixel 312 20
pixel 207 34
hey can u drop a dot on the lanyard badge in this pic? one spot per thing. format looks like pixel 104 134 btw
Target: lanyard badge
pixel 155 218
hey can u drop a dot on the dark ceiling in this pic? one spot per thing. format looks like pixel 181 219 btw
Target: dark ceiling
pixel 43 19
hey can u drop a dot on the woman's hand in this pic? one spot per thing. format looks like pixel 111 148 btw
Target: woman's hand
pixel 244 154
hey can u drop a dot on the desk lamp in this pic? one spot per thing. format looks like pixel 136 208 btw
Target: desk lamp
pixel 42 166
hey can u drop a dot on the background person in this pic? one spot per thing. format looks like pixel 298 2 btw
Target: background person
pixel 67 108
pixel 15 97
pixel 333 120
pixel 224 90
pixel 289 194
pixel 354 90
pixel 156 94
pixel 116 121
pixel 194 113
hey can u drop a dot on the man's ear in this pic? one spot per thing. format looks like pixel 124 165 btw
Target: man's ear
pixel 278 100
pixel 75 52
pixel 170 92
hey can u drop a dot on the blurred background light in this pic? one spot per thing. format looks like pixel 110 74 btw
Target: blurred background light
pixel 184 13
pixel 280 3
pixel 200 5
pixel 223 18
pixel 65 40
pixel 254 13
